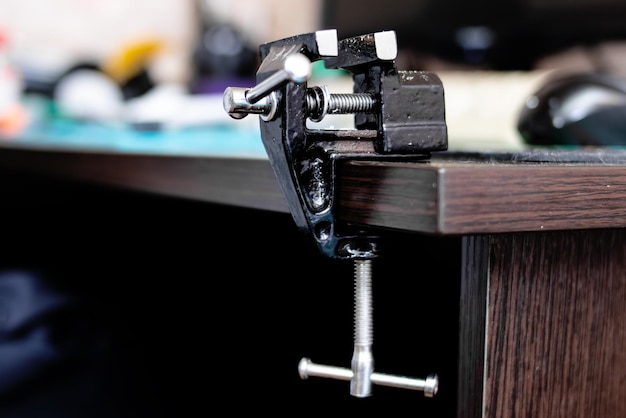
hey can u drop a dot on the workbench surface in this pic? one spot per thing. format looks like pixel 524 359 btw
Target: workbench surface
pixel 454 192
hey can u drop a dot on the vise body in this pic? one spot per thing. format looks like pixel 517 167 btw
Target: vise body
pixel 398 116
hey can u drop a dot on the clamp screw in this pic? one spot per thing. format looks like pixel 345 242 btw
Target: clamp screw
pixel 361 374
pixel 321 103
pixel 430 385
pixel 362 357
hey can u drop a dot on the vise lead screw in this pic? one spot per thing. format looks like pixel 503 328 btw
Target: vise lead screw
pixel 238 102
pixel 362 375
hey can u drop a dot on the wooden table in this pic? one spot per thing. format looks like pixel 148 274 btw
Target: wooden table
pixel 505 273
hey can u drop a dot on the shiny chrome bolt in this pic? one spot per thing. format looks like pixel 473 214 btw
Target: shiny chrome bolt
pixel 362 358
pixel 361 374
pixel 430 385
pixel 239 102
pixel 321 103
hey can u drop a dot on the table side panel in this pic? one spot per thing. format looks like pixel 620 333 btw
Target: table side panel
pixel 482 198
pixel 556 337
pixel 472 325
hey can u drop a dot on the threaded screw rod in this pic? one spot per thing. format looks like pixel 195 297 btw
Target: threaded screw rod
pixel 362 358
pixel 361 374
pixel 321 103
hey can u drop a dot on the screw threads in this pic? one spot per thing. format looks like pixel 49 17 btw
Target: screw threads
pixel 344 103
pixel 320 103
pixel 361 373
pixel 363 324
pixel 362 363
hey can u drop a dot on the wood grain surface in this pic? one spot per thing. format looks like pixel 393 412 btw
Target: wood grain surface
pixel 248 183
pixel 452 193
pixel 472 325
pixel 476 197
pixel 556 340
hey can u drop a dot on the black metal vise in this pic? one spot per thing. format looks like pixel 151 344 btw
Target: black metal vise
pixel 398 115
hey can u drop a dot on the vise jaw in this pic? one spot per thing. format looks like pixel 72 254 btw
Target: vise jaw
pixel 398 115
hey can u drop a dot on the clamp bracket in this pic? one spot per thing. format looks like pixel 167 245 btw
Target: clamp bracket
pixel 399 115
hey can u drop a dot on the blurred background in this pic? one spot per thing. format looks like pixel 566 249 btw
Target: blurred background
pixel 149 75
pixel 155 64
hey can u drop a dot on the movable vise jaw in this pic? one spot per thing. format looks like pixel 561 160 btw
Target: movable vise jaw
pixel 398 115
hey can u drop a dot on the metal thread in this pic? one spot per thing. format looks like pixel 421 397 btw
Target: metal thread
pixel 363 323
pixel 321 103
pixel 362 363
pixel 361 374
pixel 344 103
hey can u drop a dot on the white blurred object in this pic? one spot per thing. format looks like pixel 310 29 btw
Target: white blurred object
pixel 267 20
pixel 48 37
pixel 87 94
pixel 171 107
pixel 482 107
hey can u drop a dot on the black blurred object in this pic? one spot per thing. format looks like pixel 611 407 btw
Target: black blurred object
pixel 222 57
pixel 585 109
pixel 137 85
pixel 56 359
pixel 487 34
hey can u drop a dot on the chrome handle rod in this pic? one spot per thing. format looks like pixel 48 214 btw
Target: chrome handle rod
pixel 429 386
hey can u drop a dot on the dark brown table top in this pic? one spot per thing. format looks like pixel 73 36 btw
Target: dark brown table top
pixel 452 193
pixel 489 192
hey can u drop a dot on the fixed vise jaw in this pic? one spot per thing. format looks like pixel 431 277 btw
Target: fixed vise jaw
pixel 398 115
